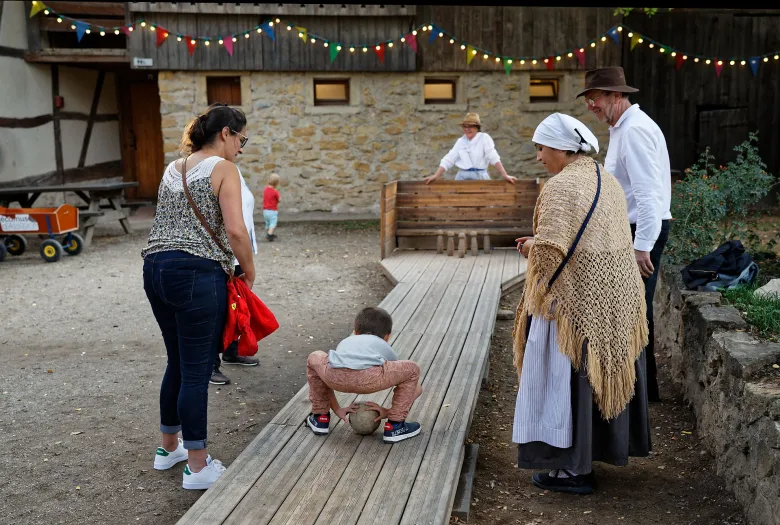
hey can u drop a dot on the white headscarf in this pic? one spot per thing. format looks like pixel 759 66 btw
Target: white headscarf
pixel 565 133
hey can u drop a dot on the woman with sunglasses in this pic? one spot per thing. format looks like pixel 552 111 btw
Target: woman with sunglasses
pixel 471 154
pixel 197 232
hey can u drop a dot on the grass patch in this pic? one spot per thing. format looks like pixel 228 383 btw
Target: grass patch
pixel 763 313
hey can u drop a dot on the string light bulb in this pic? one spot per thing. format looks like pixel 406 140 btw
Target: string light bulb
pixel 620 28
pixel 365 50
pixel 277 20
pixel 73 26
pixel 430 28
pixel 593 44
pixel 452 40
pixel 508 60
pixel 662 50
pixel 441 34
pixel 696 59
pixel 300 34
pixel 260 30
pixel 522 62
pixel 630 35
pixel 313 40
pixel 558 58
pixel 192 41
pixel 685 57
pixel 674 54
pixel 485 56
pixel 766 59
pixel 498 59
pixel 152 28
pixel 403 39
pixel 378 47
pixel 131 29
pixel 414 32
pixel 271 23
pixel 59 20
pixel 338 48
pixel 351 49
pixel 777 56
pixel 246 35
pixel 546 60
pixel 389 44
pixel 603 39
pixel 534 62
pixel 641 40
pixel 708 61
pixel 208 43
pixel 234 39
pixel 45 11
pixel 731 63
pixel 102 33
pixel 463 46
pixel 570 54
pixel 720 62
pixel 742 63
pixel 289 27
pixel 221 42
pixel 143 24
pixel 178 39
pixel 582 50
pixel 326 44
pixel 473 51
pixel 88 31
pixel 116 31
pixel 651 46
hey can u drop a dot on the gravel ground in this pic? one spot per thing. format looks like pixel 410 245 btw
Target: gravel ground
pixel 82 359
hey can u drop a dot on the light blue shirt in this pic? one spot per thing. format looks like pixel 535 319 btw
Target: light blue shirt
pixel 359 352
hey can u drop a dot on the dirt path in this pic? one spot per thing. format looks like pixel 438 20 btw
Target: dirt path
pixel 675 485
pixel 82 359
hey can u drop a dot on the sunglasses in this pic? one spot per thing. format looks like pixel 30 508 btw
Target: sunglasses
pixel 244 139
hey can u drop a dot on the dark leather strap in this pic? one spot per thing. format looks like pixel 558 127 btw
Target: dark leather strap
pixel 196 210
pixel 580 232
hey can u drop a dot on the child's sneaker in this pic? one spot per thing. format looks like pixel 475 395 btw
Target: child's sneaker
pixel 395 432
pixel 163 460
pixel 319 423
pixel 206 477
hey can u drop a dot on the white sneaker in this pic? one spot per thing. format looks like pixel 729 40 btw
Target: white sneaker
pixel 163 460
pixel 203 479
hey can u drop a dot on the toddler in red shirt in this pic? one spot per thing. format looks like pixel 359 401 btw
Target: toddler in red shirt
pixel 271 200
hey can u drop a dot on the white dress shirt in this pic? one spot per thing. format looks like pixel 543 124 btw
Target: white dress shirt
pixel 638 158
pixel 248 210
pixel 475 153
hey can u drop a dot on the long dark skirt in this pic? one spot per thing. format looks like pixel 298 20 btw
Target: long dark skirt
pixel 593 438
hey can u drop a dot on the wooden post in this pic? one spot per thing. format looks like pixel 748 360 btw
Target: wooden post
pixel 440 241
pixel 450 243
pixel 474 244
pixel 486 241
pixel 461 244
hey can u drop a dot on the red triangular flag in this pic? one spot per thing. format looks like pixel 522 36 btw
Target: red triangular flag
pixel 126 30
pixel 680 61
pixel 190 45
pixel 412 41
pixel 550 63
pixel 580 56
pixel 162 34
pixel 718 68
pixel 380 52
pixel 228 43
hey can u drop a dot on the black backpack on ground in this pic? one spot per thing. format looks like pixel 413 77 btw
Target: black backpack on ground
pixel 727 267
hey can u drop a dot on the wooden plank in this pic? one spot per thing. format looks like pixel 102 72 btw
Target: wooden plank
pixel 475 213
pixel 418 232
pixel 465 224
pixel 466 199
pixel 88 8
pixel 467 186
pixel 217 503
pixel 55 91
pixel 462 505
pixel 92 113
pixel 323 10
pixel 382 224
pixel 510 264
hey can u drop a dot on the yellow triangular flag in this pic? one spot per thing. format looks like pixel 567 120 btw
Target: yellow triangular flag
pixel 302 32
pixel 634 41
pixel 36 8
pixel 470 54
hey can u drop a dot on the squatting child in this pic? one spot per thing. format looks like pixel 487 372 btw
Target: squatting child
pixel 364 363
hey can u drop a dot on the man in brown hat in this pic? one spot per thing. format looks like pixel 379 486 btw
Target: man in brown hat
pixel 638 158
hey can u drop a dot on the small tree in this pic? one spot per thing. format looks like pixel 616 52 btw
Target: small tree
pixel 712 204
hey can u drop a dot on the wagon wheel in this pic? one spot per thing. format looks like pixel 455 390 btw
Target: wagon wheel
pixel 3 251
pixel 76 244
pixel 51 250
pixel 16 244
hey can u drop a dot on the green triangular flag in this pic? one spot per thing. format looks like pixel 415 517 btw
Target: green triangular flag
pixel 302 32
pixel 470 54
pixel 507 65
pixel 634 41
pixel 36 8
pixel 334 51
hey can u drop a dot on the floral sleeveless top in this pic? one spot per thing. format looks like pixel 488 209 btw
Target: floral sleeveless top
pixel 176 227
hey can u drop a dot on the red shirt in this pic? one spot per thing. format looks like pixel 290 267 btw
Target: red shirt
pixel 270 198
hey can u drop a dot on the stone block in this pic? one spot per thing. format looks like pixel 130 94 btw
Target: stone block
pixel 308 131
pixel 744 354
pixel 328 145
pixel 770 289
pixel 722 317
pixel 387 157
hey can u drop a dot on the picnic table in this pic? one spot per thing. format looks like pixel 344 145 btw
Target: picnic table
pixel 90 193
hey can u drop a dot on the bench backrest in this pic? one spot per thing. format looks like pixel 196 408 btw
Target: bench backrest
pixel 455 205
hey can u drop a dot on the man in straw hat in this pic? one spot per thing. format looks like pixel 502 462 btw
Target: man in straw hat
pixel 638 158
pixel 471 154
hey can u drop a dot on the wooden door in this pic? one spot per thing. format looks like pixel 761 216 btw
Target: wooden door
pixel 722 129
pixel 146 144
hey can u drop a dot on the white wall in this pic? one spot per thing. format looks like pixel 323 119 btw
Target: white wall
pixel 25 92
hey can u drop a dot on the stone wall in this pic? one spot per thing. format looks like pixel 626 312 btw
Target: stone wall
pixel 335 158
pixel 727 376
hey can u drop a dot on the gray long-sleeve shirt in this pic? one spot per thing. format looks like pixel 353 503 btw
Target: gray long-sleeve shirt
pixel 358 352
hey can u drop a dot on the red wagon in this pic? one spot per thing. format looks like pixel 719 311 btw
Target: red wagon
pixel 52 222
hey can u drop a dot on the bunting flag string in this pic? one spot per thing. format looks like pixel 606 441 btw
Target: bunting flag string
pixel 411 39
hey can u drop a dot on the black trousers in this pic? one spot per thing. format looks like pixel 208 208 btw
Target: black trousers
pixel 650 282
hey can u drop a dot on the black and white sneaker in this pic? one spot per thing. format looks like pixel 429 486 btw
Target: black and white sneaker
pixel 395 432
pixel 319 423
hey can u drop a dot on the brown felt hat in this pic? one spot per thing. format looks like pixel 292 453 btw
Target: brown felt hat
pixel 471 119
pixel 607 79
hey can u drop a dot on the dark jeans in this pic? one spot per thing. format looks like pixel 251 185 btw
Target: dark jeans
pixel 650 282
pixel 188 295
pixel 232 350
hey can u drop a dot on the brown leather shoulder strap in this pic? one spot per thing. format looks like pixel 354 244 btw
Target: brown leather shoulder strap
pixel 196 210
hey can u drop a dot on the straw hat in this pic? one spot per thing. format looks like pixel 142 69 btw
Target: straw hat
pixel 471 119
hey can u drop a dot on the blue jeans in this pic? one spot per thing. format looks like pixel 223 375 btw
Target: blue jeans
pixel 188 295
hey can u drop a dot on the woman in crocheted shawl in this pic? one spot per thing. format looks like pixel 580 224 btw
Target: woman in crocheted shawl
pixel 580 328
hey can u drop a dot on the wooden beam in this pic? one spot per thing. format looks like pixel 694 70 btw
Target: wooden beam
pixel 55 91
pixel 91 121
pixel 33 30
pixel 88 8
pixel 6 51
pixel 78 56
pixel 40 120
pixel 246 8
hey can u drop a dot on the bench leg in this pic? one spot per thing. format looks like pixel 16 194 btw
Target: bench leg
pixel 123 220
pixel 486 241
pixel 450 244
pixel 474 244
pixel 439 241
pixel 462 244
pixel 89 223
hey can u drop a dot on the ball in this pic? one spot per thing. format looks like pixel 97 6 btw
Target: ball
pixel 362 420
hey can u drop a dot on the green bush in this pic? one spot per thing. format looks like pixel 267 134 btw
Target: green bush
pixel 711 205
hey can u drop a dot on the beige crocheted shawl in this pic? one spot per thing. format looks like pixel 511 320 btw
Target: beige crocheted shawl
pixel 599 295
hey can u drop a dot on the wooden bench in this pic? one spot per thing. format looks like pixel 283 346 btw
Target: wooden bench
pixel 131 206
pixel 422 216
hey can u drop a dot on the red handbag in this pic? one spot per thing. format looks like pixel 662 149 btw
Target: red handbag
pixel 248 319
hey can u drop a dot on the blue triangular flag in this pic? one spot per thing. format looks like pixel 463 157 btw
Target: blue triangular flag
pixel 615 35
pixel 81 28
pixel 269 31
pixel 434 34
pixel 754 65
